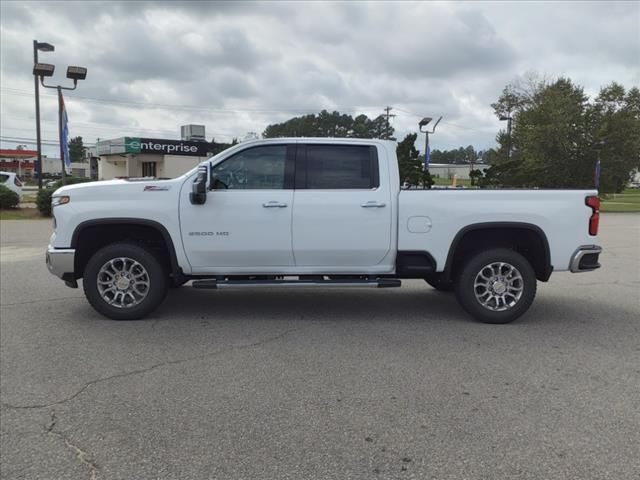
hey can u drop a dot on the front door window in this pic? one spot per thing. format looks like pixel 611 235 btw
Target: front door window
pixel 260 168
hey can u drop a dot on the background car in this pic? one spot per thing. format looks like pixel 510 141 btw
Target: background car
pixel 12 181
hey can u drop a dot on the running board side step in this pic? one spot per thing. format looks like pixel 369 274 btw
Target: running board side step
pixel 378 283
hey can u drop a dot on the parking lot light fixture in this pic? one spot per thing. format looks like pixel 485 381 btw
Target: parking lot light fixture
pixel 424 122
pixel 44 47
pixel 43 70
pixel 76 73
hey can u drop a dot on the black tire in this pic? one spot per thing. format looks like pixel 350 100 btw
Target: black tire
pixel 466 292
pixel 158 282
pixel 439 283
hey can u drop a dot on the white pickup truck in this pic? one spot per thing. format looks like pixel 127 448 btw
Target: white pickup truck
pixel 312 212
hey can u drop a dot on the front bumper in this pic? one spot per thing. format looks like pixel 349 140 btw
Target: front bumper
pixel 61 261
pixel 585 259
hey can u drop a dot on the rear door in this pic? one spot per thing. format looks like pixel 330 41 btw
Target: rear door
pixel 342 210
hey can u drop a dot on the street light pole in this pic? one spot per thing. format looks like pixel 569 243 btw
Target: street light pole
pixel 60 127
pixel 45 47
pixel 38 139
pixel 426 150
pixel 423 123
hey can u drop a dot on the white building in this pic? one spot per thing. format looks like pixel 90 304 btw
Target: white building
pixel 53 166
pixel 448 170
pixel 153 157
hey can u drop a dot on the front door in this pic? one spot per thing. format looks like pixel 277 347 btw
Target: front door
pixel 245 224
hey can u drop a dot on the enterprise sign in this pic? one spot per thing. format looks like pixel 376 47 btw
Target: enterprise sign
pixel 136 145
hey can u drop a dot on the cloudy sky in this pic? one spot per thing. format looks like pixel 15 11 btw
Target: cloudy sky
pixel 237 67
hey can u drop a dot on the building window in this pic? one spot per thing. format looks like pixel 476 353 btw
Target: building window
pixel 148 169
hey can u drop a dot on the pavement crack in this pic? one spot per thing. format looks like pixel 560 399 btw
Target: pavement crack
pixel 82 456
pixel 150 368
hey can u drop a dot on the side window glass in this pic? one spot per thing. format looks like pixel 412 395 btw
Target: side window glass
pixel 3 178
pixel 259 168
pixel 341 167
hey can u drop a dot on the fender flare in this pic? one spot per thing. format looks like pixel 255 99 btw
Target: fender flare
pixel 548 268
pixel 176 271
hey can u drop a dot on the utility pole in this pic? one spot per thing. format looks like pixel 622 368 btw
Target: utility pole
pixel 387 110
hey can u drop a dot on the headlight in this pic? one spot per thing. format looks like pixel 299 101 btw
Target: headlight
pixel 60 200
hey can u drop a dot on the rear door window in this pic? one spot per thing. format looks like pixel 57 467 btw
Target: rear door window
pixel 341 167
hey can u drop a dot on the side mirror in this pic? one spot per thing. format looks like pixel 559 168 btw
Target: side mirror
pixel 198 194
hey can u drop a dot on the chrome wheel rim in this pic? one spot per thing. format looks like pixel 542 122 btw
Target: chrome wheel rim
pixel 498 286
pixel 123 282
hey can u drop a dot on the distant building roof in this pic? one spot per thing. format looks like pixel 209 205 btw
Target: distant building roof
pixel 18 153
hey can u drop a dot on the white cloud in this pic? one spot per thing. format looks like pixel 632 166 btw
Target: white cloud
pixel 237 67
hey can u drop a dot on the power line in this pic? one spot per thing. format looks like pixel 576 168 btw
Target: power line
pixel 104 129
pixel 25 93
pixel 455 125
pixel 236 110
pixel 32 141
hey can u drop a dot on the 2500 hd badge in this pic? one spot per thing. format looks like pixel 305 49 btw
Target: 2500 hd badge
pixel 208 234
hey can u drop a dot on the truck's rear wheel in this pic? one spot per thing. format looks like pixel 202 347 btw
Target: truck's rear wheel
pixel 496 286
pixel 124 282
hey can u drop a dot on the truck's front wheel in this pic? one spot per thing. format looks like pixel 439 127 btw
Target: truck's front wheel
pixel 124 282
pixel 496 286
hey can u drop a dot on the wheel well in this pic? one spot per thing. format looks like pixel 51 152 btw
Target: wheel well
pixel 529 241
pixel 92 238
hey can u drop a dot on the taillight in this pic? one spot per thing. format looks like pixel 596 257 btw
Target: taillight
pixel 17 182
pixel 594 220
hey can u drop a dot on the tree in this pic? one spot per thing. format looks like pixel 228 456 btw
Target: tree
pixel 77 150
pixel 460 155
pixel 558 133
pixel 476 177
pixel 615 117
pixel 333 124
pixel 409 163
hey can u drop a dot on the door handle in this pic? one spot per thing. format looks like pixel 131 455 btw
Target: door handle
pixel 274 204
pixel 373 204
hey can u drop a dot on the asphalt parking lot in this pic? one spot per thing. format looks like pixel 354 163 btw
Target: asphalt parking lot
pixel 394 383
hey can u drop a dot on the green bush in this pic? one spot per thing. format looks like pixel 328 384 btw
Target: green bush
pixel 8 198
pixel 43 200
